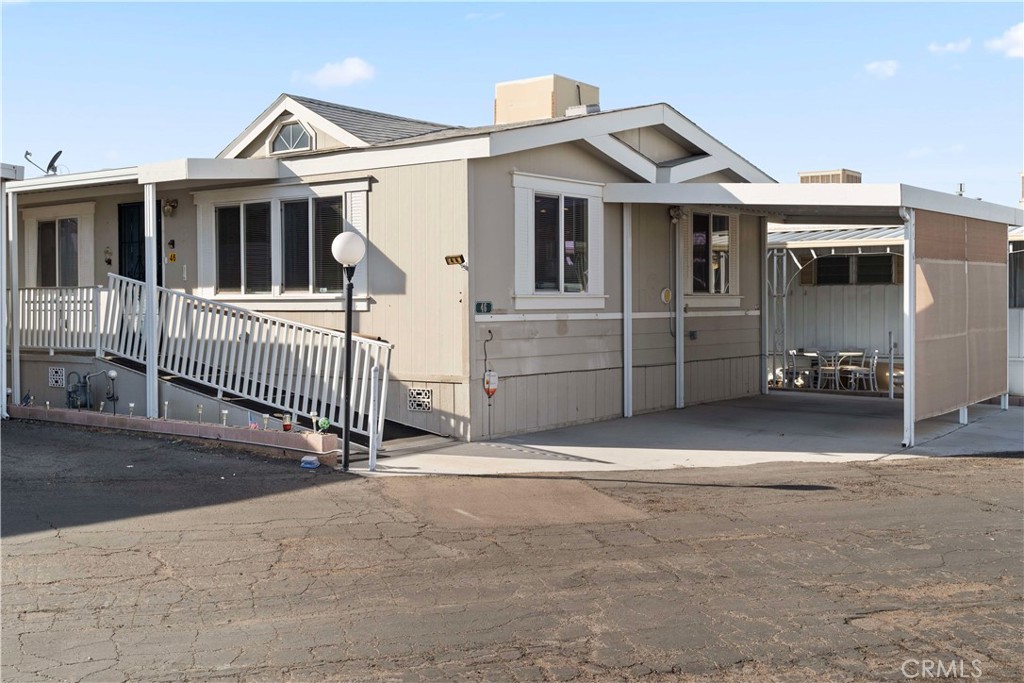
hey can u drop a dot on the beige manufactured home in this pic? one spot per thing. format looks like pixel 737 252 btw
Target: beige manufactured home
pixel 601 263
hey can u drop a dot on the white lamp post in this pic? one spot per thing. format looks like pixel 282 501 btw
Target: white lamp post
pixel 348 249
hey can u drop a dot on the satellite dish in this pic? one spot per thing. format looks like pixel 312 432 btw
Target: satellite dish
pixel 51 168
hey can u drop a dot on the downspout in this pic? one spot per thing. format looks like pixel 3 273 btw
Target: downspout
pixel 627 310
pixel 152 323
pixel 909 325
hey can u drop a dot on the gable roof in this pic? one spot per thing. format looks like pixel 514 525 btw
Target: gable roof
pixel 362 130
pixel 372 127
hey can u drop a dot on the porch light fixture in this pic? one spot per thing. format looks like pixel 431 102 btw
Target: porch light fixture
pixel 455 260
pixel 348 249
pixel 169 207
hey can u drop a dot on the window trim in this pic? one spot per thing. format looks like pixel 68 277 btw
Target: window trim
pixel 356 207
pixel 525 297
pixel 85 213
pixel 276 130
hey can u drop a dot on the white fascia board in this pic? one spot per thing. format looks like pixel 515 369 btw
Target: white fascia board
pixel 575 128
pixel 60 182
pixel 283 104
pixel 12 172
pixel 688 169
pixel 942 202
pixel 625 156
pixel 210 169
pixel 699 137
pixel 765 195
pixel 388 157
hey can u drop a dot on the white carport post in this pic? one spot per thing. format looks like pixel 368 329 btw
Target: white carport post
pixel 3 301
pixel 680 315
pixel 152 324
pixel 909 325
pixel 627 310
pixel 12 242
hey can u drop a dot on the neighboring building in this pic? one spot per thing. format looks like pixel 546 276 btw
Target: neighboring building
pixel 612 262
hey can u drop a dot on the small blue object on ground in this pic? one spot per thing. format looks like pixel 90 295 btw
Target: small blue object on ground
pixel 310 462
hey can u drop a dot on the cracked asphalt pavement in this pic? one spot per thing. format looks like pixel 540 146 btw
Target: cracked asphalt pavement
pixel 130 558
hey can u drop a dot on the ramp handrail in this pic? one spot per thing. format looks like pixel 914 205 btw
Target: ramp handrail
pixel 293 367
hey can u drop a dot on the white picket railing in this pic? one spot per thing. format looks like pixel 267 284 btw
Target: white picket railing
pixel 59 318
pixel 293 367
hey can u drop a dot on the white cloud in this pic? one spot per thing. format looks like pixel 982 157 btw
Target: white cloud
pixel 956 46
pixel 886 69
pixel 1010 43
pixel 339 74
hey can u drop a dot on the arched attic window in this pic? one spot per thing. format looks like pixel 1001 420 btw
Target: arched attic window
pixel 291 138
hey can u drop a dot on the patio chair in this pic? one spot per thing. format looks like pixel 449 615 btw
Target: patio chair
pixel 828 370
pixel 856 376
pixel 798 372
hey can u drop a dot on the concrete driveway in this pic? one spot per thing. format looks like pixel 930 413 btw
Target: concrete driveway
pixel 780 427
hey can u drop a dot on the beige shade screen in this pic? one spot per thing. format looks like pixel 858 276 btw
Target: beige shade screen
pixel 960 337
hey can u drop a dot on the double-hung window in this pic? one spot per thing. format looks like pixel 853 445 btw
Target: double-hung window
pixel 559 232
pixel 243 248
pixel 304 269
pixel 713 249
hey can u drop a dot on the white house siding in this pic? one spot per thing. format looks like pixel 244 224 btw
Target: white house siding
pixel 1016 351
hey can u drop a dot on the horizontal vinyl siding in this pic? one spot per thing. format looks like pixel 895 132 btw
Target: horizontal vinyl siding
pixel 536 402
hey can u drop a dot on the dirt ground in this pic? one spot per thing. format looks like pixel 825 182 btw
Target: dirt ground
pixel 129 558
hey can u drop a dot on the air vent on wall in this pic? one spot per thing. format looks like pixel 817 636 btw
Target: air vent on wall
pixel 421 400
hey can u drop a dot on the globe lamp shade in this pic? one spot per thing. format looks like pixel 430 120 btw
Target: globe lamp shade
pixel 348 249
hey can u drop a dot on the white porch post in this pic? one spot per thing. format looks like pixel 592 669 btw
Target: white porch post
pixel 680 316
pixel 627 310
pixel 152 324
pixel 15 313
pixel 909 326
pixel 3 303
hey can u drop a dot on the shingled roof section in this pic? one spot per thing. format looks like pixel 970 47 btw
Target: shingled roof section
pixel 371 126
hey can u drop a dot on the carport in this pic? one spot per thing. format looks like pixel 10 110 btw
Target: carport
pixel 955 276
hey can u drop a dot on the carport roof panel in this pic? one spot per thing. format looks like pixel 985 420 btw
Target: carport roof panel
pixel 835 236
pixel 818 203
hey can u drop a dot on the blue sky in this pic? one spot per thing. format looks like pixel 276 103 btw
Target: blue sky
pixel 929 94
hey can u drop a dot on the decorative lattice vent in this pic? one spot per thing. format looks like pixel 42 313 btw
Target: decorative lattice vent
pixel 421 400
pixel 58 377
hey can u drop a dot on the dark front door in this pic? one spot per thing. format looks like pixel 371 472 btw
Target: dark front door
pixel 131 242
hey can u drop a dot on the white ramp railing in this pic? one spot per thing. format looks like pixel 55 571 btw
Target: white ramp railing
pixel 293 367
pixel 59 318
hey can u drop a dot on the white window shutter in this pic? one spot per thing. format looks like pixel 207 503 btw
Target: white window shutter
pixel 356 210
pixel 524 240
pixel 734 254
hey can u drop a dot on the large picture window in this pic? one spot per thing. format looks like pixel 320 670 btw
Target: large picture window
pixel 559 230
pixel 271 246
